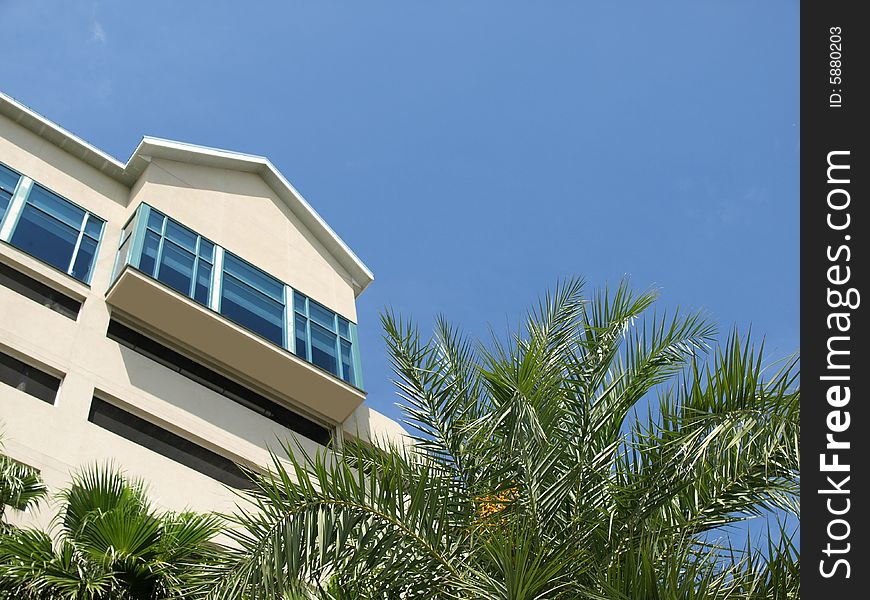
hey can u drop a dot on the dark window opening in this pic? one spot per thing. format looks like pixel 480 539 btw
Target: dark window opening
pixel 218 383
pixel 170 445
pixel 28 379
pixel 39 292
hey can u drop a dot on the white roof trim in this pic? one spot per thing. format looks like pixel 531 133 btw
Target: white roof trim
pixel 183 152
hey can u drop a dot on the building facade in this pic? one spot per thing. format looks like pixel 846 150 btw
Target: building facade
pixel 176 314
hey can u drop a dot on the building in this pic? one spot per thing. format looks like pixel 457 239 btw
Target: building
pixel 177 314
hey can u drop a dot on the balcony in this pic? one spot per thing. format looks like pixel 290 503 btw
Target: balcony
pixel 184 287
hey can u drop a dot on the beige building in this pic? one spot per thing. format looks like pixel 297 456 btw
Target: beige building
pixel 177 314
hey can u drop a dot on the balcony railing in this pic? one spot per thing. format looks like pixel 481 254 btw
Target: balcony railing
pixel 181 259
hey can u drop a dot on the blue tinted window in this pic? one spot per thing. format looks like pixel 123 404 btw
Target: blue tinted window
pixel 322 316
pixel 49 229
pixel 323 349
pixel 8 183
pixel 57 207
pixel 203 283
pixel 44 237
pixel 247 295
pixel 121 258
pixel 316 340
pixel 5 199
pixel 155 221
pixel 84 259
pixel 181 235
pixel 299 303
pixel 346 362
pixel 252 309
pixel 150 247
pixel 8 180
pixel 343 327
pixel 254 277
pixel 94 227
pixel 206 250
pixel 169 254
pixel 300 326
pixel 176 267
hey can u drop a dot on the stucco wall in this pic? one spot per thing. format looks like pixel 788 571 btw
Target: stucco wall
pixel 241 213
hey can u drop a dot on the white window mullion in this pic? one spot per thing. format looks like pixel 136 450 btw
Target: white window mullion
pixel 15 207
pixel 216 276
pixel 289 317
pixel 72 259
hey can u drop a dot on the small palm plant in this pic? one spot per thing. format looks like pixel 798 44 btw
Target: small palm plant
pixel 601 452
pixel 21 487
pixel 109 544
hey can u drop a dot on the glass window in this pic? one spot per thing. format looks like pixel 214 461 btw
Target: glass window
pixel 176 267
pixel 203 283
pixel 316 339
pixel 321 315
pixel 301 327
pixel 94 227
pixel 155 220
pixel 123 249
pixel 252 309
pixel 150 248
pixel 49 229
pixel 254 277
pixel 177 256
pixel 170 445
pixel 247 295
pixel 44 237
pixel 57 207
pixel 27 379
pixel 206 250
pixel 299 303
pixel 346 362
pixel 39 292
pixel 181 235
pixel 323 349
pixel 84 261
pixel 8 183
pixel 4 203
pixel 344 328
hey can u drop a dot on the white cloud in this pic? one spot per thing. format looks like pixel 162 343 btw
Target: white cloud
pixel 98 34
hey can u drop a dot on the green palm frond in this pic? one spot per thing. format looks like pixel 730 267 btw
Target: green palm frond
pixel 541 467
pixel 21 487
pixel 110 544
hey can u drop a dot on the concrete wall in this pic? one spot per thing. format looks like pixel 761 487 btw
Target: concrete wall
pixel 241 213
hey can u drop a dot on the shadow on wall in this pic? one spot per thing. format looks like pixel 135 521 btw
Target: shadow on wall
pixel 373 427
pixel 200 403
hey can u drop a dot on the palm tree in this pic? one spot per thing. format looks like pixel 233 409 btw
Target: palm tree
pixel 603 451
pixel 21 486
pixel 109 544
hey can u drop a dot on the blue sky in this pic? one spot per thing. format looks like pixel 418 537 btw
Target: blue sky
pixel 471 152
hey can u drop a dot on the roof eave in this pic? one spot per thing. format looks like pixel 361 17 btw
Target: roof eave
pixel 129 173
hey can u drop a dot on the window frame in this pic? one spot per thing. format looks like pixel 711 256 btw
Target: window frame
pixel 11 192
pixel 344 330
pixel 21 200
pixel 283 302
pixel 144 218
pixel 336 330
